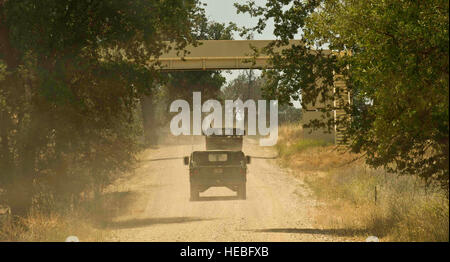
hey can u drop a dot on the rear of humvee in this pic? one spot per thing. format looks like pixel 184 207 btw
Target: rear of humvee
pixel 217 169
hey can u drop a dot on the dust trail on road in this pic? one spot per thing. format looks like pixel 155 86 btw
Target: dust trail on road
pixel 278 207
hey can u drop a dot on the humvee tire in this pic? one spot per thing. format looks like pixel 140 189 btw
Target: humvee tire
pixel 242 191
pixel 195 194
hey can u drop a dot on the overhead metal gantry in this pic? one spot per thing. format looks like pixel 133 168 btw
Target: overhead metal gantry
pixel 219 55
pixel 238 54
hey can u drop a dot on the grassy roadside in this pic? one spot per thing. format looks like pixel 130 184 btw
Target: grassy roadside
pixel 88 220
pixel 360 200
pixel 54 227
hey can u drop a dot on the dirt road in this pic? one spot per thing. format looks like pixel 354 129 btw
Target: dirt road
pixel 278 207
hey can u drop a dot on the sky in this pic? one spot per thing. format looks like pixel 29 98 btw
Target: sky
pixel 223 11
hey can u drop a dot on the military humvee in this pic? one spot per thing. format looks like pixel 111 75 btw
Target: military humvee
pixel 217 169
pixel 225 141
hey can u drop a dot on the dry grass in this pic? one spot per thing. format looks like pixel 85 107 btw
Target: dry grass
pixel 309 155
pixel 55 222
pixel 39 227
pixel 403 210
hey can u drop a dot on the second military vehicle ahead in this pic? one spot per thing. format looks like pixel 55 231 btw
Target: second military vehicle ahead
pixel 231 140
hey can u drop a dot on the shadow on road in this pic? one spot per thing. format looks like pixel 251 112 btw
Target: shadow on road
pixel 264 157
pixel 133 223
pixel 160 159
pixel 217 198
pixel 344 232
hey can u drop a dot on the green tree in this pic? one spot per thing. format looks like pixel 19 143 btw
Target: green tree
pixel 182 84
pixel 71 74
pixel 245 86
pixel 393 56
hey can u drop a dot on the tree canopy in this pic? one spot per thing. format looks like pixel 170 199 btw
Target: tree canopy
pixel 182 84
pixel 393 56
pixel 71 73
